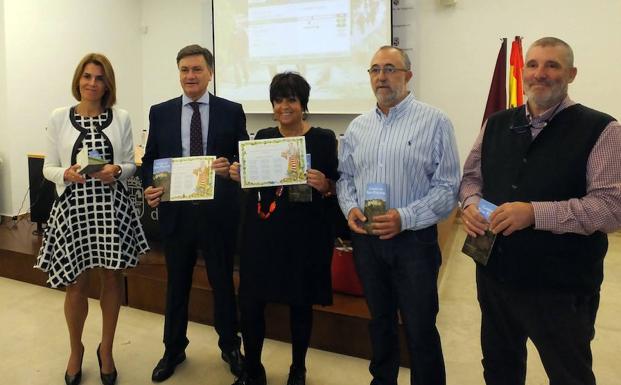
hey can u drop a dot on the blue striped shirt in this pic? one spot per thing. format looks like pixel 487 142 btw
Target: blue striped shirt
pixel 413 151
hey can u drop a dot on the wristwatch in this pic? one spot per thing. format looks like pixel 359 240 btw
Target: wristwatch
pixel 118 173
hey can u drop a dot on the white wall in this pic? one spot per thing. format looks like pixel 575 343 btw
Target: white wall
pixel 169 28
pixel 456 49
pixel 45 39
pixel 5 141
pixel 454 54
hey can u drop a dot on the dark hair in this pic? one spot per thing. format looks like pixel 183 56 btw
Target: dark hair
pixel 109 97
pixel 290 84
pixel 196 49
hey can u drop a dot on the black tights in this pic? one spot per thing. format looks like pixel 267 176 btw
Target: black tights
pixel 253 332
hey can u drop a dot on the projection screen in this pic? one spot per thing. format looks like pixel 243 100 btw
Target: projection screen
pixel 329 42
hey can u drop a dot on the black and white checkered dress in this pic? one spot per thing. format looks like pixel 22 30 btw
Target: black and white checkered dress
pixel 91 224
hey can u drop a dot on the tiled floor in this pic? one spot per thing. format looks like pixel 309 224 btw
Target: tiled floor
pixel 33 339
pixel 459 322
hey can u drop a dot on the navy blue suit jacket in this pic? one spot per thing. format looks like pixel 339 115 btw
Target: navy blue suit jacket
pixel 227 126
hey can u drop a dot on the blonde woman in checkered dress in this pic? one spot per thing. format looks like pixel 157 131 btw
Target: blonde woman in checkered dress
pixel 93 223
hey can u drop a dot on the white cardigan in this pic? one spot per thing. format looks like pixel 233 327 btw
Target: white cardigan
pixel 61 137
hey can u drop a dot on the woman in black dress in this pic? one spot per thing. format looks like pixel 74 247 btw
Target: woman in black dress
pixel 92 223
pixel 288 238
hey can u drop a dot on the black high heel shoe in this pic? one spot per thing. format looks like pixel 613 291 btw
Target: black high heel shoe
pixel 106 378
pixel 76 378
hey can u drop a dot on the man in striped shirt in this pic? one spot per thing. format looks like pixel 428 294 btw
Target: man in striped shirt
pixel 553 169
pixel 409 148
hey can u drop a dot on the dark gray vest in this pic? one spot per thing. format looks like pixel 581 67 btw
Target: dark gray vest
pixel 552 167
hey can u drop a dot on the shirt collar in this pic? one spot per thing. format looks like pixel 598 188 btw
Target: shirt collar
pixel 185 100
pixel 550 112
pixel 402 105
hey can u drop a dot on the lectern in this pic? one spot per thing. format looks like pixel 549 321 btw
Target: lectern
pixel 42 192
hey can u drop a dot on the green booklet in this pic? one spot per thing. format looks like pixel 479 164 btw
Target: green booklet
pixel 89 161
pixel 301 192
pixel 480 247
pixel 375 198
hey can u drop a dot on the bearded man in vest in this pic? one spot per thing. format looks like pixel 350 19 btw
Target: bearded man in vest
pixel 553 169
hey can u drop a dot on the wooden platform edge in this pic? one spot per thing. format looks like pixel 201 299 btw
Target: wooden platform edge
pixel 340 328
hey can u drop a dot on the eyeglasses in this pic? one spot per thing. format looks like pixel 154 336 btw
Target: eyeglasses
pixel 522 128
pixel 388 70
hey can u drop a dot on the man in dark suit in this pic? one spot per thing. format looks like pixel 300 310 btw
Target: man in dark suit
pixel 197 123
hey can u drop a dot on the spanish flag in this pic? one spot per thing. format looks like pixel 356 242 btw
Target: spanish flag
pixel 516 61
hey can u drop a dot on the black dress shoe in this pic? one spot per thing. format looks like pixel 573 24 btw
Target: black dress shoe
pixel 166 367
pixel 246 379
pixel 235 360
pixel 76 378
pixel 297 376
pixel 106 378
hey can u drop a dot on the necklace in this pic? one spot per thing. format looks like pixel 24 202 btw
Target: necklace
pixel 272 207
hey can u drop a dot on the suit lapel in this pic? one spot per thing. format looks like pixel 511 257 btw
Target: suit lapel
pixel 175 125
pixel 213 125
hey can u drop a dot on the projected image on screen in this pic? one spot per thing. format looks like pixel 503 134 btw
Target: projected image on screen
pixel 329 42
